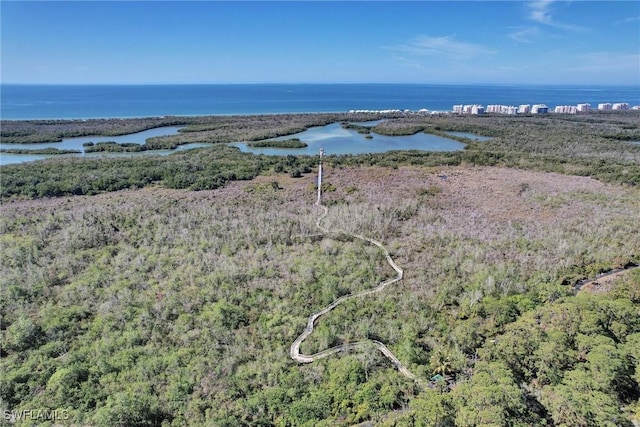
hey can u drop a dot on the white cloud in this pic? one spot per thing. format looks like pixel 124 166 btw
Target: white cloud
pixel 630 20
pixel 542 14
pixel 525 35
pixel 602 67
pixel 540 11
pixel 444 47
pixel 608 61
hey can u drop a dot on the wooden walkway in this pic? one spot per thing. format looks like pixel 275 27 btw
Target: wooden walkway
pixel 294 351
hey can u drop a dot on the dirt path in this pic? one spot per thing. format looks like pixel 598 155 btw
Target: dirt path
pixel 294 351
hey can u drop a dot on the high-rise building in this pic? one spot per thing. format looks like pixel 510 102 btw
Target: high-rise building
pixel 620 106
pixel 501 109
pixel 510 109
pixel 524 109
pixel 477 109
pixel 539 109
pixel 566 109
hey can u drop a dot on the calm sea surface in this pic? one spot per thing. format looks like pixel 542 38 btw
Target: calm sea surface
pixel 82 101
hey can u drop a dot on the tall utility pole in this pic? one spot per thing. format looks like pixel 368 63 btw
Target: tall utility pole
pixel 320 178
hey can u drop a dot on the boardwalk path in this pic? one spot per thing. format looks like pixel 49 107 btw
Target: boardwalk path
pixel 294 351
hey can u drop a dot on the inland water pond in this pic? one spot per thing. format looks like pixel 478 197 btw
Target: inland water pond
pixel 333 138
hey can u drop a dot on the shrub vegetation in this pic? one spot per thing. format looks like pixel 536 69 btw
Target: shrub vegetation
pixel 50 150
pixel 286 143
pixel 162 306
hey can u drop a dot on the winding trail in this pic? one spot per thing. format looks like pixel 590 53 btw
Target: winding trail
pixel 294 351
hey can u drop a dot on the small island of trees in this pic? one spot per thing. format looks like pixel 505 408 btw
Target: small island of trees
pixel 47 151
pixel 114 147
pixel 286 143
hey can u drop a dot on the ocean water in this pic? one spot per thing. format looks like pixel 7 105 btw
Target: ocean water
pixel 104 101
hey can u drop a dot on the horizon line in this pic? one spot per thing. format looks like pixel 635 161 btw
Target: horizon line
pixel 321 83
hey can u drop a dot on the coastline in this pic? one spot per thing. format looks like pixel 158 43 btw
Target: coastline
pixel 163 135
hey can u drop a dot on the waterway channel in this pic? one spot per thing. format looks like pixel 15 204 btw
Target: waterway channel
pixel 333 138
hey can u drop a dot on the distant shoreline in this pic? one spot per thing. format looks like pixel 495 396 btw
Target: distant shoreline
pixel 352 112
pixel 34 131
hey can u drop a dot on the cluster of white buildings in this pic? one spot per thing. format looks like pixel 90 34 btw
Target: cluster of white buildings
pixel 477 109
pixel 572 109
pixel 584 108
pixel 468 109
pixel 501 109
pixel 617 106
pixel 537 108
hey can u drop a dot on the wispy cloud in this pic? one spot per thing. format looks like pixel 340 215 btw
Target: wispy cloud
pixel 630 20
pixel 525 35
pixel 540 11
pixel 542 14
pixel 606 67
pixel 444 47
pixel 606 61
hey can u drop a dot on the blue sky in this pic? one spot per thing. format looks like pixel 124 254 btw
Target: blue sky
pixel 502 42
